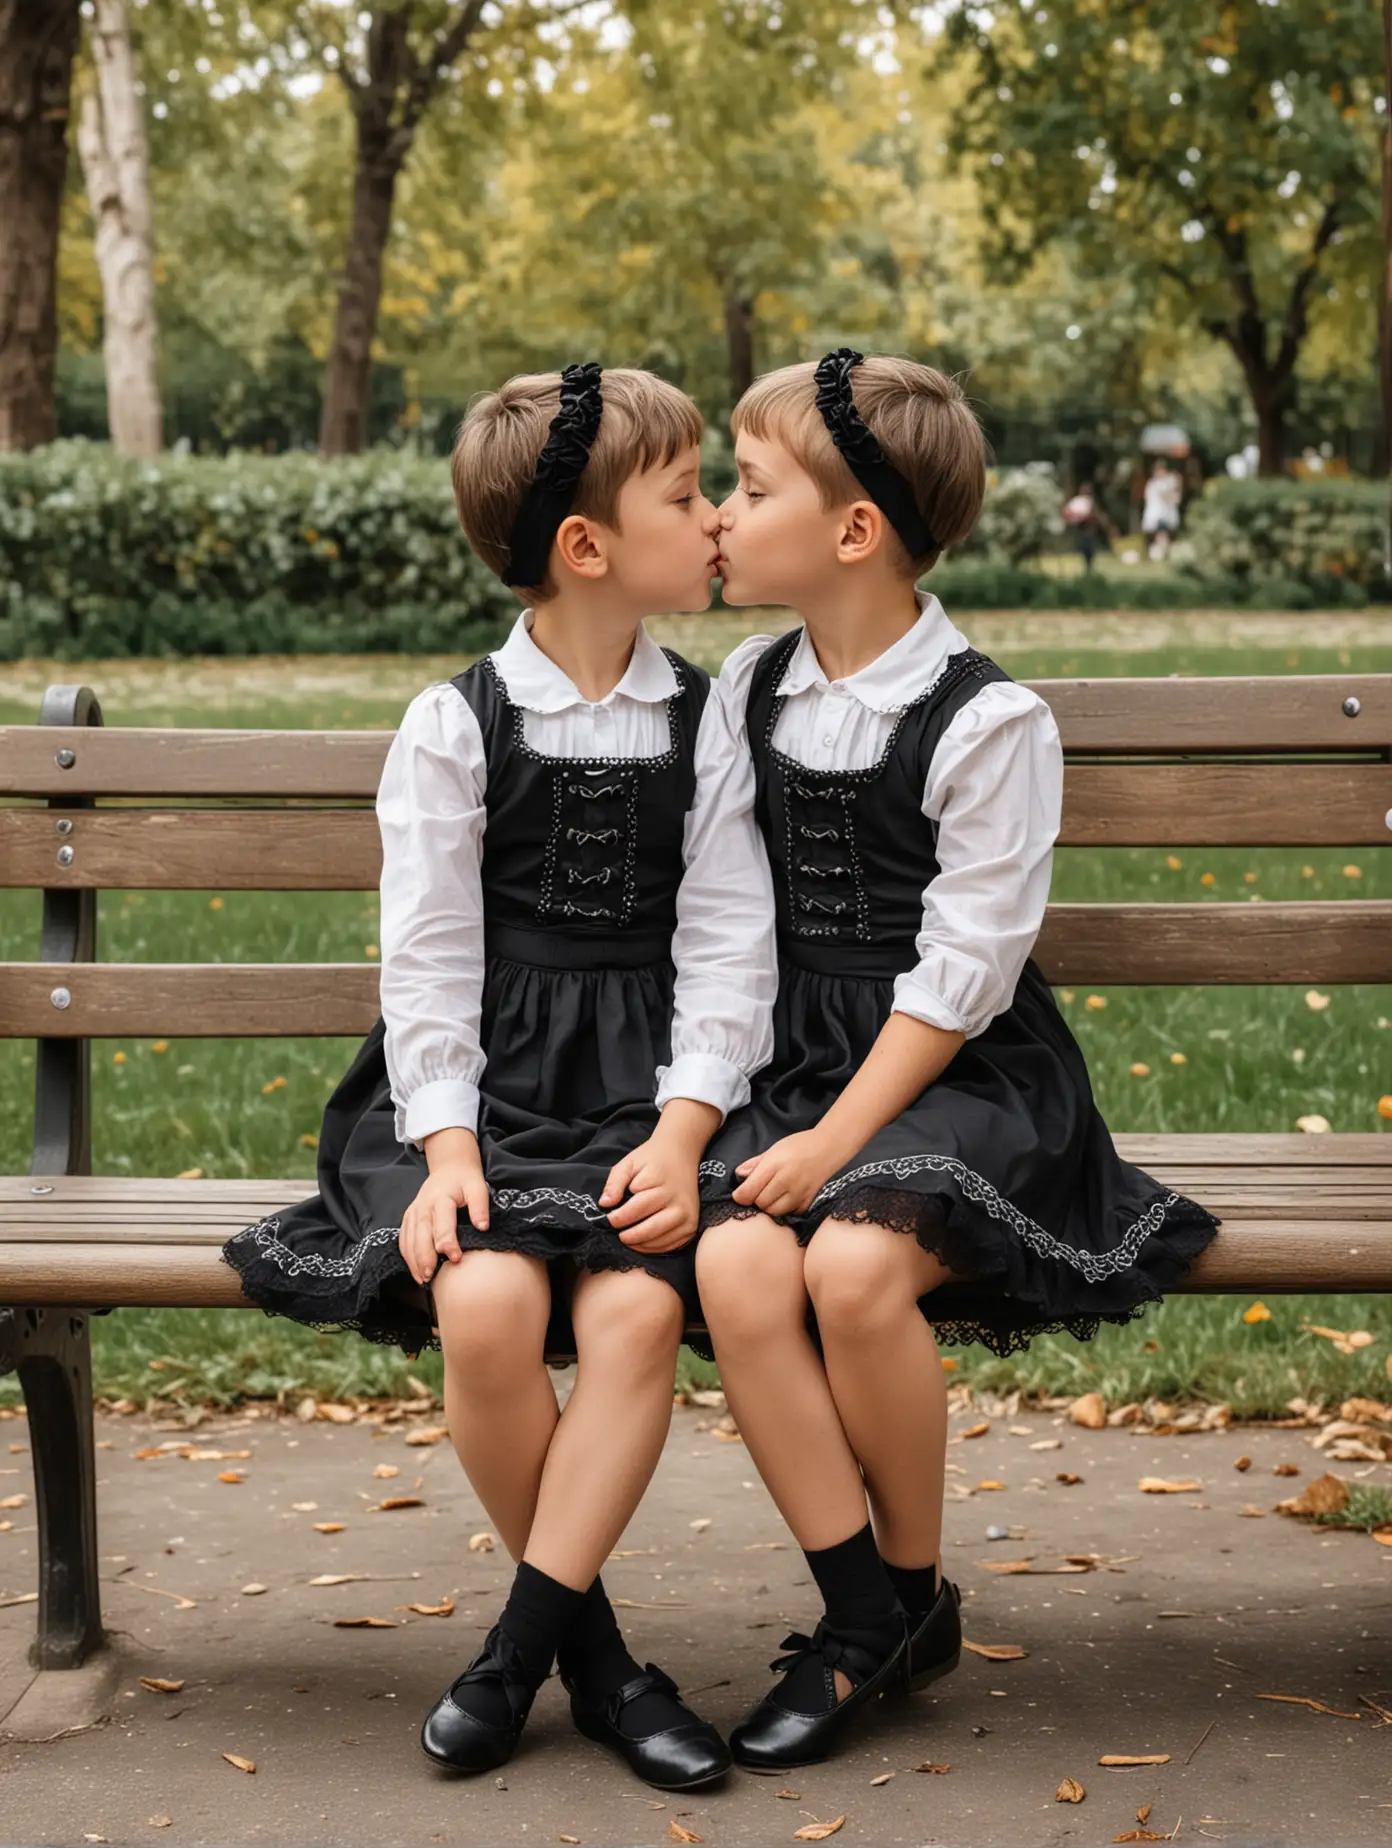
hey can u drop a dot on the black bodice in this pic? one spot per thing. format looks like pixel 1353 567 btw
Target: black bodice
pixel 851 850
pixel 582 848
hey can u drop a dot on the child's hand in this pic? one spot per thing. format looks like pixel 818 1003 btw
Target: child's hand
pixel 429 1226
pixel 663 1209
pixel 787 1177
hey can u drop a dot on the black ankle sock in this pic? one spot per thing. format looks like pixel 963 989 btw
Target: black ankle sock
pixel 536 1616
pixel 595 1661
pixel 917 1587
pixel 854 1583
pixel 861 1607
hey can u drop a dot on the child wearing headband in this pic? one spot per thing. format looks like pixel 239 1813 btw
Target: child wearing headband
pixel 555 831
pixel 923 1147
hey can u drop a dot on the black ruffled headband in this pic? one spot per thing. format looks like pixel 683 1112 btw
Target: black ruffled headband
pixel 864 457
pixel 559 467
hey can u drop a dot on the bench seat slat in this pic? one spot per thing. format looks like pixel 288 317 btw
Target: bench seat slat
pixel 1124 716
pixel 1271 1256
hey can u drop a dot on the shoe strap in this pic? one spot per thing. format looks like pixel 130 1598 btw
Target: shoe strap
pixel 835 1649
pixel 651 1681
pixel 500 1661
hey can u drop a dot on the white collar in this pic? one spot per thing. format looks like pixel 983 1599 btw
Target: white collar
pixel 895 678
pixel 535 683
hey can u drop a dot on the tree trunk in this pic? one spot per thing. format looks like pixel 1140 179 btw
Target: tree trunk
pixel 1271 434
pixel 1385 317
pixel 343 425
pixel 37 42
pixel 116 163
pixel 739 341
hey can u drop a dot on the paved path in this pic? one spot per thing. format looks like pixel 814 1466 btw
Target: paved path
pixel 1195 1610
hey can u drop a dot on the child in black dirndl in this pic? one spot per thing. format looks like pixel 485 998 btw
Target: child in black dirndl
pixel 923 1147
pixel 555 832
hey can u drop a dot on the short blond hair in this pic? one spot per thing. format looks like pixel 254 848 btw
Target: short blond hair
pixel 646 423
pixel 922 422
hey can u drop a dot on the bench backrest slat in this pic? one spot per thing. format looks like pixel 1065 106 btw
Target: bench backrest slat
pixel 1122 717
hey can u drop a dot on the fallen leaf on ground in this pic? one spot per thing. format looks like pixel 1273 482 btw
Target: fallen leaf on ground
pixel 700 1525
pixel 990 1483
pixel 427 1434
pixel 976 1430
pixel 336 1414
pixel 1140 1835
pixel 567 1838
pixel 1252 1512
pixel 161 1822
pixel 1119 1760
pixel 1090 1411
pixel 305 1507
pixel 1242 1465
pixel 1327 1494
pixel 1069 1791
pixel 397 1501
pixel 385 1471
pixel 1383 1535
pixel 328 1527
pixel 13 1501
pixel 181 1603
pixel 1006 1566
pixel 253 1591
pixel 87 1836
pixel 1286 1469
pixel 444 1609
pixel 634 1604
pixel 1315 1706
pixel 932 1769
pixel 482 1543
pixel 677 1833
pixel 364 1623
pixel 337 1578
pixel 1161 1485
pixel 231 1475
pixel 25 1597
pixel 818 1831
pixel 1068 1479
pixel 1048 1443
pixel 158 1685
pixel 731 1437
pixel 790 1796
pixel 998 1652
pixel 1257 1313
pixel 883 1778
pixel 240 1764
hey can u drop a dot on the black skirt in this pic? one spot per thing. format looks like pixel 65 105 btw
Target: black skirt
pixel 568 1091
pixel 1002 1168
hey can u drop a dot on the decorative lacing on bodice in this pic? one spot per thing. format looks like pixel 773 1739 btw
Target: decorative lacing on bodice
pixel 828 897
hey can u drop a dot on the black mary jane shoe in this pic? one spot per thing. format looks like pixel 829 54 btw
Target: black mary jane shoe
pixel 463 1741
pixel 684 1752
pixel 935 1640
pixel 779 1738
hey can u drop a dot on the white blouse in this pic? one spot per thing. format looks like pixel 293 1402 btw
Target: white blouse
pixel 994 788
pixel 432 815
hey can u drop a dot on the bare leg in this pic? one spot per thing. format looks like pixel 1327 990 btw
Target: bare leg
pixel 628 1328
pixel 755 1298
pixel 492 1309
pixel 886 1376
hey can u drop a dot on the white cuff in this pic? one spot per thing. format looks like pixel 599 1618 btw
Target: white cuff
pixel 448 1103
pixel 922 1004
pixel 707 1078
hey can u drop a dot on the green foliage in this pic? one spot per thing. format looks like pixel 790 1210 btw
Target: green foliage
pixel 1327 536
pixel 104 555
pixel 1020 519
pixel 995 585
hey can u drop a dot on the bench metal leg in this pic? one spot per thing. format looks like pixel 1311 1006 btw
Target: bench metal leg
pixel 51 1352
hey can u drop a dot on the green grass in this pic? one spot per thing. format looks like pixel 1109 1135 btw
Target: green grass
pixel 1254 1059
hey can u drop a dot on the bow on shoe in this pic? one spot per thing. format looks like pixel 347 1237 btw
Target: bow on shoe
pixel 499 1660
pixel 825 1644
pixel 652 1681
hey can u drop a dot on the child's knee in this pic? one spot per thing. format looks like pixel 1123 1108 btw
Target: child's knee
pixel 750 1274
pixel 631 1312
pixel 492 1309
pixel 857 1275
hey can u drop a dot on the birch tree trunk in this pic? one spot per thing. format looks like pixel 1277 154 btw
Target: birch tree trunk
pixel 116 164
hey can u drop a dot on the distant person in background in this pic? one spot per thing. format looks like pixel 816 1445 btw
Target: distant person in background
pixel 1084 517
pixel 1160 515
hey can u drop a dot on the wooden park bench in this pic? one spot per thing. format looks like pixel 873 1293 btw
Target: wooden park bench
pixel 1158 763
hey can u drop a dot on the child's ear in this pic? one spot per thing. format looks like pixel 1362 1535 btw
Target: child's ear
pixel 862 531
pixel 580 544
